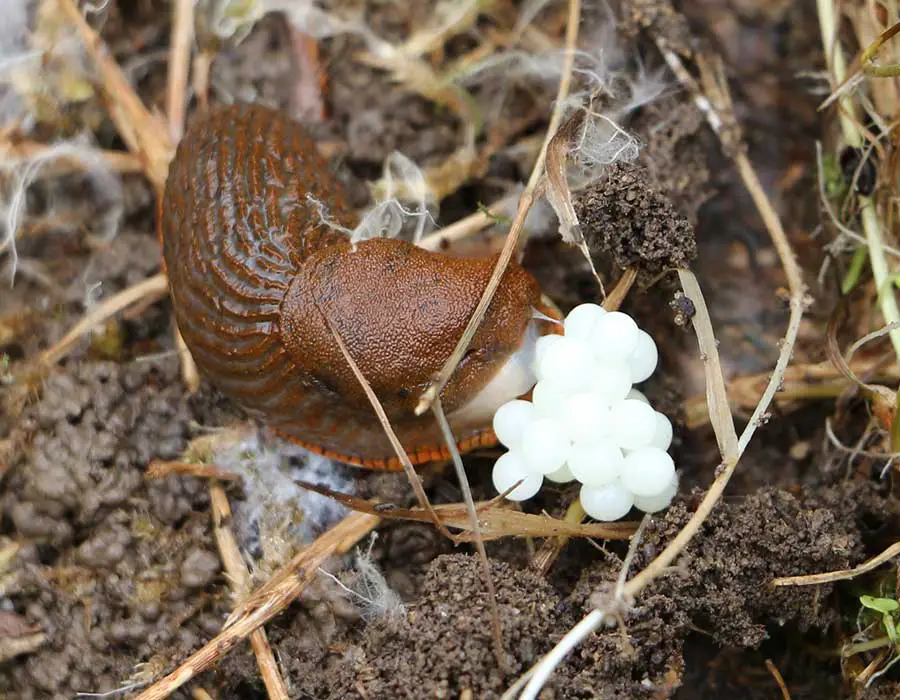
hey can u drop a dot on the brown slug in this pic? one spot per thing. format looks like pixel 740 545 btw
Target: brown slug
pixel 254 271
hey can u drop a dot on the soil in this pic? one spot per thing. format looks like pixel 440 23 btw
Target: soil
pixel 122 574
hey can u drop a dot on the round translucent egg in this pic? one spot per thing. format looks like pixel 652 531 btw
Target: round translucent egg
pixel 614 336
pixel 606 503
pixel 511 420
pixel 566 361
pixel 648 471
pixel 581 321
pixel 661 501
pixel 549 398
pixel 509 470
pixel 540 347
pixel 545 446
pixel 596 463
pixel 611 380
pixel 635 394
pixel 643 358
pixel 633 423
pixel 662 437
pixel 563 475
pixel 585 417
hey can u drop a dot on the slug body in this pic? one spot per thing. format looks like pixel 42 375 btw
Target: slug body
pixel 260 283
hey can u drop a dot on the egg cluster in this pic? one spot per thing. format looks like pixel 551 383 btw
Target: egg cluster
pixel 586 422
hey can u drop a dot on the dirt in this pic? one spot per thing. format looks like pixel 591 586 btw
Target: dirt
pixel 122 573
pixel 625 217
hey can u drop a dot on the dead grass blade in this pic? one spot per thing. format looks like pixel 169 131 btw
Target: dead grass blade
pixel 239 578
pixel 158 469
pixel 525 203
pixel 151 288
pixel 477 535
pixel 716 392
pixel 116 161
pixel 267 602
pixel 179 63
pixel 842 574
pixel 144 133
pixel 495 518
pixel 813 382
pixel 414 481
pixel 779 679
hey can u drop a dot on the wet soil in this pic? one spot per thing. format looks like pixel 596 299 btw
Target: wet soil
pixel 122 574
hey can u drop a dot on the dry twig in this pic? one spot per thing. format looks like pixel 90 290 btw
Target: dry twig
pixel 179 61
pixel 496 519
pixel 408 467
pixel 842 574
pixel 776 674
pixel 151 288
pixel 267 602
pixel 240 584
pixel 525 203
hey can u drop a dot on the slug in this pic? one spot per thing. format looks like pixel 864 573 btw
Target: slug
pixel 255 269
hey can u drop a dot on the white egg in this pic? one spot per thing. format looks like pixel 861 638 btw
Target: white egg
pixel 545 446
pixel 549 398
pixel 606 503
pixel 540 347
pixel 648 472
pixel 585 417
pixel 581 320
pixel 662 437
pixel 633 423
pixel 643 359
pixel 610 380
pixel 596 463
pixel 635 394
pixel 614 337
pixel 561 476
pixel 566 361
pixel 511 420
pixel 509 470
pixel 661 501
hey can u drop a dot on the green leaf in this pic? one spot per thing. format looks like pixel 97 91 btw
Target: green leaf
pixel 882 605
pixel 854 272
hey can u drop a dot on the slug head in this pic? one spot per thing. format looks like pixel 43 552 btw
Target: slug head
pixel 400 311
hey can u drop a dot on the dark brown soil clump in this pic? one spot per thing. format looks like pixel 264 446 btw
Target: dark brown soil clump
pixel 443 646
pixel 117 563
pixel 624 216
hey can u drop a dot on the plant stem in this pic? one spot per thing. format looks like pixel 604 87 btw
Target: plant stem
pixel 869 645
pixel 853 136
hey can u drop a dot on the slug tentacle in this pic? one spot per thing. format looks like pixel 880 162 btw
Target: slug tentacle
pixel 255 271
